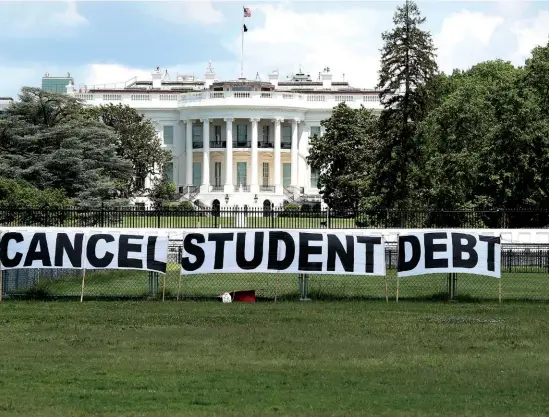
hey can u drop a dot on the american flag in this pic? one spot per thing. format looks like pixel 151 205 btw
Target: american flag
pixel 247 12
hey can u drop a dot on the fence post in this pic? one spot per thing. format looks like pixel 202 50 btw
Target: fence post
pixel 102 215
pixel 303 282
pixel 272 215
pixel 158 216
pixel 452 286
pixel 328 219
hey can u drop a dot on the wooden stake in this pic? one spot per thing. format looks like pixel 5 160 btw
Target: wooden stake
pixel 83 283
pixel 83 273
pixel 276 287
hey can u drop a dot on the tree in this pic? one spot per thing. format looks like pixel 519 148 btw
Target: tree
pixel 20 193
pixel 162 191
pixel 487 144
pixel 136 142
pixel 46 141
pixel 407 65
pixel 341 156
pixel 536 75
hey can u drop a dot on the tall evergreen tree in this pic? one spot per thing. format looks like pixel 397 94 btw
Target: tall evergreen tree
pixel 407 65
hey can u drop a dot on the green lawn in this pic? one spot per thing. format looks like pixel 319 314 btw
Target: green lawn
pixel 515 286
pixel 273 359
pixel 254 221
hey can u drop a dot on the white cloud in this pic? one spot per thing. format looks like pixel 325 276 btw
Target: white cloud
pixel 531 33
pixel 463 38
pixel 184 11
pixel 347 40
pixel 48 19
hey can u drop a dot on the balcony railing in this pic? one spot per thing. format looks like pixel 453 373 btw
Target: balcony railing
pixel 217 144
pixel 267 188
pixel 245 188
pixel 268 145
pixel 217 188
pixel 286 145
pixel 198 145
pixel 242 144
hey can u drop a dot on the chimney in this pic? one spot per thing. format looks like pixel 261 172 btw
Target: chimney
pixel 273 78
pixel 326 78
pixel 157 78
pixel 209 76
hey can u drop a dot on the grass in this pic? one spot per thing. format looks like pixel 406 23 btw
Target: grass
pixel 515 286
pixel 273 359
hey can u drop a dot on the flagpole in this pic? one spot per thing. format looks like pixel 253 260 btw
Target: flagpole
pixel 242 50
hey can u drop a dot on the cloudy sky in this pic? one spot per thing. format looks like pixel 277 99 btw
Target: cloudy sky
pixel 101 42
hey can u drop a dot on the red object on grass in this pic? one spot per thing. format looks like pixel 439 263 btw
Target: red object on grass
pixel 245 296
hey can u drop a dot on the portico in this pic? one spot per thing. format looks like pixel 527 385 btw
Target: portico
pixel 252 155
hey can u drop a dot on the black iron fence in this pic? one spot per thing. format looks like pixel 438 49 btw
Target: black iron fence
pixel 293 216
pixel 525 276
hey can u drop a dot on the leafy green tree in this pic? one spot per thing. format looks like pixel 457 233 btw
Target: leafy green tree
pixel 20 193
pixel 162 191
pixel 487 144
pixel 536 75
pixel 45 140
pixel 407 65
pixel 342 155
pixel 136 142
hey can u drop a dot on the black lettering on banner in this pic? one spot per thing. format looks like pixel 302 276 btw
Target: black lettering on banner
pixel 459 248
pixel 430 248
pixel 91 247
pixel 124 249
pixel 273 262
pixel 370 241
pixel 346 256
pixel 305 251
pixel 4 242
pixel 33 254
pixel 241 261
pixel 220 239
pixel 74 253
pixel 404 265
pixel 153 264
pixel 492 241
pixel 194 250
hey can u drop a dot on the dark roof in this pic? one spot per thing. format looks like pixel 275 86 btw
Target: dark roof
pixel 6 98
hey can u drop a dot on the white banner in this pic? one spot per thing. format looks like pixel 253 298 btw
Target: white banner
pixel 435 252
pixel 79 250
pixel 292 251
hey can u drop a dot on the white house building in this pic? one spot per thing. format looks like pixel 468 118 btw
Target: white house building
pixel 236 143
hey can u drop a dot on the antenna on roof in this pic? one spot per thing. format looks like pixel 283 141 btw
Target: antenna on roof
pixel 343 76
pixel 210 69
pixel 257 76
pixel 167 76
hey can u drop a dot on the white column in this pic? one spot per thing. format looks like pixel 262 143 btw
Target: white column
pixel 205 156
pixel 294 152
pixel 189 152
pixel 229 186
pixel 302 163
pixel 277 176
pixel 254 183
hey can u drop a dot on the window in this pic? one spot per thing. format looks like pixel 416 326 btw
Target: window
pixel 217 174
pixel 314 178
pixel 265 134
pixel 241 173
pixel 217 134
pixel 287 134
pixel 197 133
pixel 265 174
pixel 241 134
pixel 315 130
pixel 168 171
pixel 286 174
pixel 168 135
pixel 197 173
